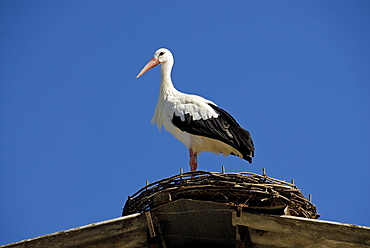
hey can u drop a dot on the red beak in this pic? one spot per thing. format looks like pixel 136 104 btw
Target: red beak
pixel 153 62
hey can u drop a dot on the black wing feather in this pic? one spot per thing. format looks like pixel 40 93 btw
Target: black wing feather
pixel 223 128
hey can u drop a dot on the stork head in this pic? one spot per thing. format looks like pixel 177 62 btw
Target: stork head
pixel 161 56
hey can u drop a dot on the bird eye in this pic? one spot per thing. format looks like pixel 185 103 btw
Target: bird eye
pixel 161 53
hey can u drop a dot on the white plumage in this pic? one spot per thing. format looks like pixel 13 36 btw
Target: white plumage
pixel 197 122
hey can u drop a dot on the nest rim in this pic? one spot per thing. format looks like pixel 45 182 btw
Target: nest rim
pixel 242 189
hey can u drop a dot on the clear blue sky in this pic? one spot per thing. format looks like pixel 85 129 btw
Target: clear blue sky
pixel 75 133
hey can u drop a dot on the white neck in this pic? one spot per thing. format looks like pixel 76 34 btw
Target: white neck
pixel 167 87
pixel 166 90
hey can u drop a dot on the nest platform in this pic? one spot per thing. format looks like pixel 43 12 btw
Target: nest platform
pixel 244 191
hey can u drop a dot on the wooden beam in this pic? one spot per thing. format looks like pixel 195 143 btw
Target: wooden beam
pixel 266 229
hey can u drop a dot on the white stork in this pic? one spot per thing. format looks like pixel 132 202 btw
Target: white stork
pixel 197 122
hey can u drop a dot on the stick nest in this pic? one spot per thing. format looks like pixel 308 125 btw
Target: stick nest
pixel 246 191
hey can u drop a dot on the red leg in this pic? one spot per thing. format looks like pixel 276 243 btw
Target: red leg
pixel 193 160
